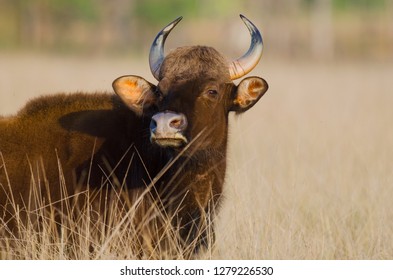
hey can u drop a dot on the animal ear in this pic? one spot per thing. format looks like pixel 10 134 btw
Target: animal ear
pixel 135 92
pixel 248 92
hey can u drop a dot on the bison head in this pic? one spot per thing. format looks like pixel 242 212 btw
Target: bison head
pixel 195 92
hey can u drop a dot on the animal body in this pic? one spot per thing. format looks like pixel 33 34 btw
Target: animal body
pixel 169 137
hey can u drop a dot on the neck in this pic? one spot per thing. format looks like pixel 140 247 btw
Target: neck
pixel 195 179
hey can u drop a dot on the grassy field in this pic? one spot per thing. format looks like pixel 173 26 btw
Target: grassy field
pixel 310 166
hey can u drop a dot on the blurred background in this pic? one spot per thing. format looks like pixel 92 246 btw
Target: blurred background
pixel 69 45
pixel 322 29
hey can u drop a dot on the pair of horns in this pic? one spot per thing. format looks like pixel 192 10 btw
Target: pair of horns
pixel 237 68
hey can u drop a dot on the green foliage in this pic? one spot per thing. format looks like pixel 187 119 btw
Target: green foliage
pixel 105 24
pixel 159 12
pixel 85 10
pixel 346 5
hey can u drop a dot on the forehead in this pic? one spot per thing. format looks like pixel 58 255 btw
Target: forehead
pixel 198 63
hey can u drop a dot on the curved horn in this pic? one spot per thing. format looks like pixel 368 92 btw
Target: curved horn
pixel 156 56
pixel 240 67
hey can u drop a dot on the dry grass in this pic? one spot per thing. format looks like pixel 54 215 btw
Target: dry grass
pixel 133 226
pixel 110 223
pixel 310 167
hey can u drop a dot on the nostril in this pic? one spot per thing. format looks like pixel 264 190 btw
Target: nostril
pixel 176 123
pixel 153 125
pixel 179 122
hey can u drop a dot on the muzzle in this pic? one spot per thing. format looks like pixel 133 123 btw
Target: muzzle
pixel 167 129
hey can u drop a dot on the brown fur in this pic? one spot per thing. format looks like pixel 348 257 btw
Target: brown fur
pixel 101 144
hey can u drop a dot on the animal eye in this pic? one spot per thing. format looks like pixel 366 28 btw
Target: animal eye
pixel 212 93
